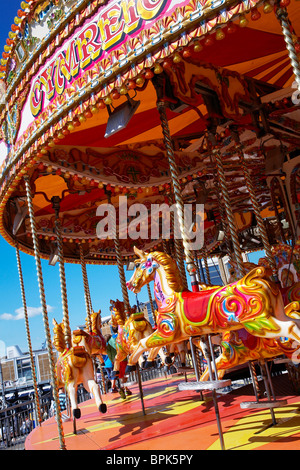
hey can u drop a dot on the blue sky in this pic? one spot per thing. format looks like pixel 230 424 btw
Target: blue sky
pixel 104 280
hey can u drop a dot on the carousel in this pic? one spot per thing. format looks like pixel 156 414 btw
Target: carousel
pixel 118 107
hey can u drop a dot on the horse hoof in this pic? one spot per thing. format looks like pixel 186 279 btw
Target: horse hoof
pixel 103 408
pixel 77 413
pixel 129 369
pixel 149 364
pixel 122 393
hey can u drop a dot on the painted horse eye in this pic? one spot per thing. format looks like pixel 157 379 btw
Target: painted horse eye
pixel 137 265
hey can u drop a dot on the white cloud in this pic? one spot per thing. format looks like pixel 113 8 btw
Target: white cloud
pixel 19 313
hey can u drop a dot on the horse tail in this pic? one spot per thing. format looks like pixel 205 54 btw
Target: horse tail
pixel 59 337
pixel 292 310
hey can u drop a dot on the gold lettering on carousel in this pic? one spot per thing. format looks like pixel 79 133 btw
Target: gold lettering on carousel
pixel 149 9
pixel 111 26
pixel 105 31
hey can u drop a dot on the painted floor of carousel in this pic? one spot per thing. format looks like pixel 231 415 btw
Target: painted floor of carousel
pixel 178 420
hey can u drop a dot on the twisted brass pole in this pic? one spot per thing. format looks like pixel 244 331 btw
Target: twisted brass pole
pixel 282 16
pixel 45 313
pixel 229 213
pixel 150 300
pixel 122 274
pixel 87 295
pixel 197 267
pixel 204 256
pixel 223 216
pixel 178 248
pixel 259 219
pixel 63 285
pixel 115 236
pixel 36 395
pixel 177 192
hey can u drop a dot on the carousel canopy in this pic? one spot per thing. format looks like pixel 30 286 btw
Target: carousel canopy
pixel 81 81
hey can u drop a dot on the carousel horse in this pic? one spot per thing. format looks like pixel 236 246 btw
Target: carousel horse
pixel 75 366
pixel 253 302
pixel 130 331
pixel 239 347
pixel 91 338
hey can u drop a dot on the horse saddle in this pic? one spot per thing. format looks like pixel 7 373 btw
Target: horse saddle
pixel 79 356
pixel 78 334
pixel 196 304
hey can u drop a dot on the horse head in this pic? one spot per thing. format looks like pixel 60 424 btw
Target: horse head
pixel 145 267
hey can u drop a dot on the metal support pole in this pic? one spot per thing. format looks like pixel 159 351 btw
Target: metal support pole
pixel 45 313
pixel 259 219
pixel 179 255
pixel 204 256
pixel 87 295
pixel 62 274
pixel 229 213
pixel 267 387
pixel 151 301
pixel 195 362
pixel 140 388
pixel 36 395
pixel 254 380
pixel 282 16
pixel 177 193
pixel 209 359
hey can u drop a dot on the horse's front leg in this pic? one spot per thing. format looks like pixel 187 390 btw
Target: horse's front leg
pixel 72 392
pixel 90 384
pixel 167 330
pixel 151 358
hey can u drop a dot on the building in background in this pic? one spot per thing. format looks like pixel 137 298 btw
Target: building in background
pixel 16 373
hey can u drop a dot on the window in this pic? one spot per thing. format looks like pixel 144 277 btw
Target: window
pixel 24 368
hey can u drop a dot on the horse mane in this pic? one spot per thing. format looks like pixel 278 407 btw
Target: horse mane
pixel 171 270
pixel 118 315
pixel 94 321
pixel 59 337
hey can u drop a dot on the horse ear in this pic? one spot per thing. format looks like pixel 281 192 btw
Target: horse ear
pixel 138 252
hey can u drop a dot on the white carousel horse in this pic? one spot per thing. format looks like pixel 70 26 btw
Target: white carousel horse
pixel 75 366
pixel 253 302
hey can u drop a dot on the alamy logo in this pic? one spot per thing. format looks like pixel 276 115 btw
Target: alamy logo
pixel 156 222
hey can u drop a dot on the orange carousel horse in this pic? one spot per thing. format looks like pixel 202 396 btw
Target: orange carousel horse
pixel 239 347
pixel 75 365
pixel 130 331
pixel 253 303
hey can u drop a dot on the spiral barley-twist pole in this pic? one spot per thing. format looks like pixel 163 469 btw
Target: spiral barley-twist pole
pixel 116 239
pixel 150 300
pixel 207 273
pixel 229 213
pixel 63 285
pixel 223 217
pixel 45 313
pixel 36 395
pixel 177 192
pixel 282 16
pixel 122 274
pixel 177 248
pixel 87 295
pixel 259 219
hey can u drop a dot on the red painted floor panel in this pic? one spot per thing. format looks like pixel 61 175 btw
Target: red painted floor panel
pixel 176 420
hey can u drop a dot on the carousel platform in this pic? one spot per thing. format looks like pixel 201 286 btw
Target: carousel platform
pixel 178 420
